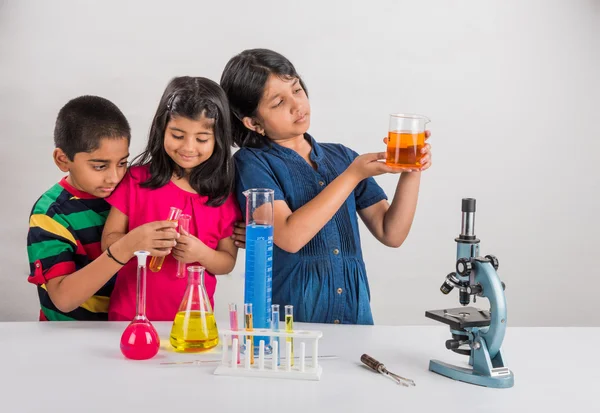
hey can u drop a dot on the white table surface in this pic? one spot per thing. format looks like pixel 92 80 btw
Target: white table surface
pixel 78 367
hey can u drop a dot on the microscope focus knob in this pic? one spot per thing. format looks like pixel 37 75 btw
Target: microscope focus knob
pixel 494 261
pixel 464 266
pixel 475 289
pixel 454 344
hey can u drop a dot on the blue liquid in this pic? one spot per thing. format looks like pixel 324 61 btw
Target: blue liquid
pixel 258 286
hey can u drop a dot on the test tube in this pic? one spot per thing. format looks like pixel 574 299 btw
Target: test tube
pixel 275 327
pixel 225 352
pixel 233 325
pixel 156 263
pixel 184 225
pixel 275 356
pixel 261 355
pixel 249 339
pixel 289 328
pixel 302 355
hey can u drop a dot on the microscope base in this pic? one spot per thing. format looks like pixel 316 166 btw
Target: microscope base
pixel 501 377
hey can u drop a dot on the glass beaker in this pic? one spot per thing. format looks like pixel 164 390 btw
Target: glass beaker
pixel 140 340
pixel 259 258
pixel 184 227
pixel 406 138
pixel 194 327
pixel 156 263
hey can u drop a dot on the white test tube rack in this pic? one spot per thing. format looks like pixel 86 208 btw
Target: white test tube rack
pixel 301 370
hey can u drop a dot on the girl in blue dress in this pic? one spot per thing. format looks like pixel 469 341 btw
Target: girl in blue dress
pixel 320 190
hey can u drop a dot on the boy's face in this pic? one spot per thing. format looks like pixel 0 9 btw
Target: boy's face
pixel 97 172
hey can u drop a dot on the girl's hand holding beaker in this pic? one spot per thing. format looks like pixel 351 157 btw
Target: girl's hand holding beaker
pixel 368 165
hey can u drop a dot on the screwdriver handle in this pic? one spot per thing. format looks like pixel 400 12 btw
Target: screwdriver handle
pixel 371 362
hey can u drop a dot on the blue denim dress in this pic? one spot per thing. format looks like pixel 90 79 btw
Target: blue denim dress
pixel 326 281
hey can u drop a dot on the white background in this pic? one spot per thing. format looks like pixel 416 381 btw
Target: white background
pixel 512 88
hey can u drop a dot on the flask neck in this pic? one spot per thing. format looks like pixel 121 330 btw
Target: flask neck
pixel 196 275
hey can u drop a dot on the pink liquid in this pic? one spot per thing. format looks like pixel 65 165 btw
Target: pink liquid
pixel 233 323
pixel 140 340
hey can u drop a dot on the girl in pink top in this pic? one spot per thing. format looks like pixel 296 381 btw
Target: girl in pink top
pixel 187 164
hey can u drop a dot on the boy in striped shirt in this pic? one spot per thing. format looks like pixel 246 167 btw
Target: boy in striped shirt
pixel 74 277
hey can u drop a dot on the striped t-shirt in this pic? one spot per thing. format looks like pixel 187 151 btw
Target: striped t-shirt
pixel 65 230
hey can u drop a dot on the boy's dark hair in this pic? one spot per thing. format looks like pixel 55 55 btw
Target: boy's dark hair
pixel 244 79
pixel 192 98
pixel 84 121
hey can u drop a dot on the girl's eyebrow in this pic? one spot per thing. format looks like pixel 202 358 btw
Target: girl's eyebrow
pixel 276 95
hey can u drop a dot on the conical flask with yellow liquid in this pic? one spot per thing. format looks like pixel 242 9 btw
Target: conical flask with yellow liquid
pixel 194 328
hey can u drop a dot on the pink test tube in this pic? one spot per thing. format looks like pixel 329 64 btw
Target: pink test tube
pixel 184 225
pixel 233 325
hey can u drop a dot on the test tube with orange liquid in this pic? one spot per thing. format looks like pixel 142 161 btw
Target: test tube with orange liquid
pixel 156 263
pixel 406 138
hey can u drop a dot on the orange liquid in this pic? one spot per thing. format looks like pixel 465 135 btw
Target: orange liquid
pixel 156 263
pixel 404 149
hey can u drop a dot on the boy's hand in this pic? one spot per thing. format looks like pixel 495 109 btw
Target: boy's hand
pixel 156 237
pixel 188 248
pixel 425 160
pixel 239 234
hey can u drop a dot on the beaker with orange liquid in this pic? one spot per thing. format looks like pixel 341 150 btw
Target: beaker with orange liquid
pixel 406 138
pixel 156 263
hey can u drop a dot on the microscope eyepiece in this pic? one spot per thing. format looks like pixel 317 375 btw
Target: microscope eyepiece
pixel 468 205
pixel 467 227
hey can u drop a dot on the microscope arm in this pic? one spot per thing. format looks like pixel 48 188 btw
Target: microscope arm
pixel 487 278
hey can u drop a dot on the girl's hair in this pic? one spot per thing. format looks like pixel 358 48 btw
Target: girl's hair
pixel 244 80
pixel 192 98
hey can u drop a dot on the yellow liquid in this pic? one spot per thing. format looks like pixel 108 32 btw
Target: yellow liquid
pixel 192 333
pixel 249 339
pixel 289 325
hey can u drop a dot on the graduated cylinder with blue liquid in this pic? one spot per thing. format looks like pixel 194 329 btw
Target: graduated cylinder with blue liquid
pixel 258 286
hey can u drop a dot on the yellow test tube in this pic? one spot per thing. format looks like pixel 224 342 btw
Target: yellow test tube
pixel 249 339
pixel 289 327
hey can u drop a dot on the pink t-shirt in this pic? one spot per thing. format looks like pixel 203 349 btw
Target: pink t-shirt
pixel 164 290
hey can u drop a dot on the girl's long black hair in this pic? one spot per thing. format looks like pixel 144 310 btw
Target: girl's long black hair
pixel 192 98
pixel 243 80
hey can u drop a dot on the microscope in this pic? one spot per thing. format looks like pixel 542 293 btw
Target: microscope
pixel 475 333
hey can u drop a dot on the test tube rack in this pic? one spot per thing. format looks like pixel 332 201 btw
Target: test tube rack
pixel 263 367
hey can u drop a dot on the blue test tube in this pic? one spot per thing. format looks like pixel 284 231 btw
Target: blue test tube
pixel 275 327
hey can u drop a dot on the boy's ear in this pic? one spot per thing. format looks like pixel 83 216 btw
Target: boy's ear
pixel 61 160
pixel 253 125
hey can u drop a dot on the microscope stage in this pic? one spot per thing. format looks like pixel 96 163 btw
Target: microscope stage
pixel 461 317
